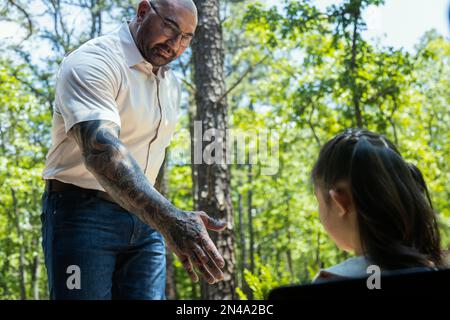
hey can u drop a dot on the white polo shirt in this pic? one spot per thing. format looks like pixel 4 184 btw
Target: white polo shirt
pixel 107 79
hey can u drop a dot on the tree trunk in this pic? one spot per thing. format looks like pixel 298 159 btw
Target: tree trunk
pixel 318 262
pixel 6 269
pixel 242 237
pixel 36 248
pixel 36 269
pixel 22 267
pixel 213 178
pixel 162 185
pixel 192 113
pixel 356 92
pixel 250 219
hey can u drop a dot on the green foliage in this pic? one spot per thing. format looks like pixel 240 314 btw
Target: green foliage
pixel 262 282
pixel 316 78
pixel 23 138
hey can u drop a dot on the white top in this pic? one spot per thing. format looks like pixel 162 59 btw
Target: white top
pixel 107 79
pixel 355 267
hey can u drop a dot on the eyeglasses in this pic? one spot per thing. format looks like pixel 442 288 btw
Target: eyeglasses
pixel 171 30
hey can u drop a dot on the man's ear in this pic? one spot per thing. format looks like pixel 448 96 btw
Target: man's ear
pixel 142 10
pixel 342 199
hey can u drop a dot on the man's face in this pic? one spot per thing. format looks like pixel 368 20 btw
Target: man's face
pixel 158 34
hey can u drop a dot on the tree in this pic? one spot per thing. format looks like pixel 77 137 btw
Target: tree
pixel 213 179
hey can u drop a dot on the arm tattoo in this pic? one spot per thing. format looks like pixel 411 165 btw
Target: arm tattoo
pixel 118 172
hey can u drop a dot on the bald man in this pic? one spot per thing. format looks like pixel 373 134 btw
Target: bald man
pixel 116 107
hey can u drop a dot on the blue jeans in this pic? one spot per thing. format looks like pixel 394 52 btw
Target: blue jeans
pixel 94 249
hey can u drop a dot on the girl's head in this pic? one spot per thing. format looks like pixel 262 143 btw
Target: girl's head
pixel 374 203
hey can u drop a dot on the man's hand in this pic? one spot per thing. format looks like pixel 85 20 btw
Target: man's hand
pixel 187 236
pixel 119 174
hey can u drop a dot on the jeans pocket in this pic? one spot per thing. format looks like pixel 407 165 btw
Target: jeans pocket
pixel 65 203
pixel 50 203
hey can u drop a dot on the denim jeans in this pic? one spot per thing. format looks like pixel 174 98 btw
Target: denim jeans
pixel 94 249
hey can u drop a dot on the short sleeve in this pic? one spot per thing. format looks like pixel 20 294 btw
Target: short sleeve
pixel 86 89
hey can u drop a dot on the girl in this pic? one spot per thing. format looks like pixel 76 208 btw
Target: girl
pixel 374 204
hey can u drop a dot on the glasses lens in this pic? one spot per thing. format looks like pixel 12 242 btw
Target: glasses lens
pixel 169 30
pixel 186 41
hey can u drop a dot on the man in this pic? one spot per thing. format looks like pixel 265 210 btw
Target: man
pixel 115 112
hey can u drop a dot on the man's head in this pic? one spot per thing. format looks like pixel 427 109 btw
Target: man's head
pixel 164 29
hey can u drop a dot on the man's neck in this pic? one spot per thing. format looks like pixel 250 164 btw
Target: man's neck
pixel 132 25
pixel 133 29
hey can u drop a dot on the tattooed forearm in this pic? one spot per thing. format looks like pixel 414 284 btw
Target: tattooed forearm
pixel 116 170
pixel 118 173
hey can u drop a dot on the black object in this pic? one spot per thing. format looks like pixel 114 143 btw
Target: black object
pixel 53 185
pixel 404 283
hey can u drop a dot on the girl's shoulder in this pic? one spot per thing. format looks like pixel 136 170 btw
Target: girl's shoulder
pixel 355 267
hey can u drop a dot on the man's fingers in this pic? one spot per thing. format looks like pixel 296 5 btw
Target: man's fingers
pixel 212 223
pixel 194 260
pixel 211 249
pixel 201 255
pixel 214 270
pixel 206 274
pixel 188 266
pixel 200 258
pixel 202 252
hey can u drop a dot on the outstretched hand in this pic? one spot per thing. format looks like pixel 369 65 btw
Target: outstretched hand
pixel 186 234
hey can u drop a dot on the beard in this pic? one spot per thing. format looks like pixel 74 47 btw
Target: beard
pixel 160 55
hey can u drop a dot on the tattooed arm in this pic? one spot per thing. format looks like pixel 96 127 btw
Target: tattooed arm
pixel 119 174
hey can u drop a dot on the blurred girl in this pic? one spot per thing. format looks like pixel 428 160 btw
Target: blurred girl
pixel 374 204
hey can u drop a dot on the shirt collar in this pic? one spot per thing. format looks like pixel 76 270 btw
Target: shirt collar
pixel 132 54
pixel 353 267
